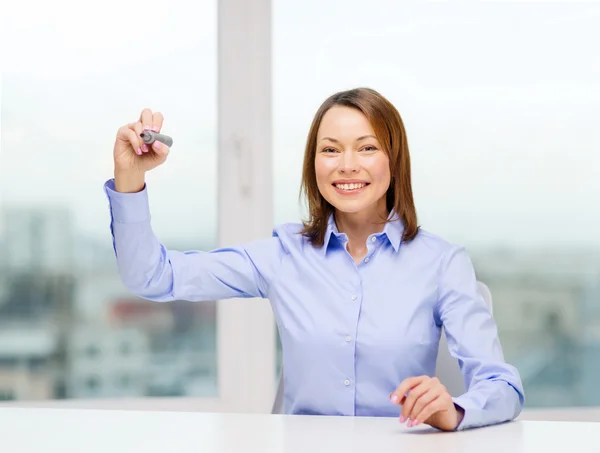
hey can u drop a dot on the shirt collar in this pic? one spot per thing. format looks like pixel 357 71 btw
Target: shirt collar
pixel 392 230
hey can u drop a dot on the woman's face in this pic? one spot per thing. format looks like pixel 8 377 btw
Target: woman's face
pixel 353 171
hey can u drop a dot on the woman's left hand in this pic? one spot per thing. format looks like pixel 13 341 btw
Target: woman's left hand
pixel 426 400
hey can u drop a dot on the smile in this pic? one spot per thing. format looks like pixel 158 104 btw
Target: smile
pixel 350 188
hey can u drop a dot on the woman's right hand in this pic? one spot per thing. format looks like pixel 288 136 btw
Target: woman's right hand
pixel 132 157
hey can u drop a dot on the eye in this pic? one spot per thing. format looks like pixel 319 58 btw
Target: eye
pixel 328 150
pixel 369 148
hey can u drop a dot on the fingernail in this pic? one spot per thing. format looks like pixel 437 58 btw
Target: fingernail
pixel 145 148
pixel 394 398
pixel 139 151
pixel 146 128
pixel 157 144
pixel 402 418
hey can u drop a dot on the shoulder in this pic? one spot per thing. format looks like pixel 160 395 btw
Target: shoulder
pixel 289 229
pixel 290 235
pixel 452 260
pixel 433 250
pixel 430 242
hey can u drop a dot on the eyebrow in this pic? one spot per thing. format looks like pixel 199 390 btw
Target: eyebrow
pixel 358 139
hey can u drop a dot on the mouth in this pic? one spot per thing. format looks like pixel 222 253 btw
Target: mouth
pixel 350 187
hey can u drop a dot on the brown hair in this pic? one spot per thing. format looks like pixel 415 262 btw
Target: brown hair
pixel 389 130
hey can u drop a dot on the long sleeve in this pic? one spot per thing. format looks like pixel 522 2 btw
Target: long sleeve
pixel 153 272
pixel 494 389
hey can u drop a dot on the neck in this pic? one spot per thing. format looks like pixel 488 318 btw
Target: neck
pixel 358 226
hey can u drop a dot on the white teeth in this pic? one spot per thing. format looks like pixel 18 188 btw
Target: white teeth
pixel 351 186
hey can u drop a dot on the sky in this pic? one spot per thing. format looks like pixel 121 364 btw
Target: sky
pixel 500 101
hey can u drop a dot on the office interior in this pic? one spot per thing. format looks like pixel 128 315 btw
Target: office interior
pixel 500 105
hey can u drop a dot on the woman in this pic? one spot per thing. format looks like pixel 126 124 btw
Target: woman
pixel 359 291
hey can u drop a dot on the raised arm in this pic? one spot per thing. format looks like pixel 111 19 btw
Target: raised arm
pixel 146 267
pixel 495 392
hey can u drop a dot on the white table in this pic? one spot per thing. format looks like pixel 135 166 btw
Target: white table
pixel 26 430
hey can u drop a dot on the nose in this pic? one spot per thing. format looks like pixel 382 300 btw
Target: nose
pixel 349 163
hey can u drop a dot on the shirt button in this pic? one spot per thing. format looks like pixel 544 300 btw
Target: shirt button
pixel 373 239
pixel 348 338
pixel 367 259
pixel 346 382
pixel 353 296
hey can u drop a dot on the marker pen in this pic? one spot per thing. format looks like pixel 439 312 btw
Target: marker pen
pixel 150 136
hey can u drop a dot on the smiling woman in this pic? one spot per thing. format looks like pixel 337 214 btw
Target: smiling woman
pixel 346 339
pixel 353 164
pixel 503 151
pixel 357 160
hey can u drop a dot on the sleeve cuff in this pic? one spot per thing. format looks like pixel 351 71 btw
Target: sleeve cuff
pixel 127 207
pixel 470 414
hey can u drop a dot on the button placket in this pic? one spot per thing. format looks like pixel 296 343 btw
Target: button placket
pixel 370 250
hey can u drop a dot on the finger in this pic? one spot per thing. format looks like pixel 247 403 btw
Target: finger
pixel 139 128
pixel 157 121
pixel 423 400
pixel 146 119
pixel 414 395
pixel 160 148
pixel 398 395
pixel 127 134
pixel 424 379
pixel 433 407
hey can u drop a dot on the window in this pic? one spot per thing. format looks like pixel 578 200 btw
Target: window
pixel 67 86
pixel 7 395
pixel 93 383
pixel 124 381
pixel 500 103
pixel 92 352
pixel 125 349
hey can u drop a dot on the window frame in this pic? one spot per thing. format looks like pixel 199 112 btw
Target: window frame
pixel 245 327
